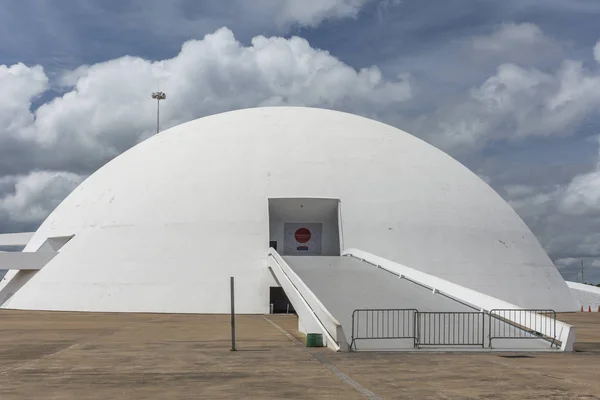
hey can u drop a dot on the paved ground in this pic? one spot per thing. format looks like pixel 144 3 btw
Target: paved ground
pixel 48 355
pixel 588 329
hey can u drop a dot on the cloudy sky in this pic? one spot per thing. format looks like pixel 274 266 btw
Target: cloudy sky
pixel 510 88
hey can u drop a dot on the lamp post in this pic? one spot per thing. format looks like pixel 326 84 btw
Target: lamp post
pixel 158 96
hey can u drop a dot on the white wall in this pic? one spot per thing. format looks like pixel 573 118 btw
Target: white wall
pixel 587 296
pixel 312 247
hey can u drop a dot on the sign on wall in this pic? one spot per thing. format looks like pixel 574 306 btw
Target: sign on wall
pixel 302 239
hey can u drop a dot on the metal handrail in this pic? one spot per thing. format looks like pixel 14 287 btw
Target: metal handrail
pixel 329 326
pixel 565 333
pixel 416 282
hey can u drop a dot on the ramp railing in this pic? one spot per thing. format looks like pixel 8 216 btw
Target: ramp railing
pixel 564 333
pixel 311 312
pixel 383 324
pixel 523 324
pixel 441 328
pixel 450 329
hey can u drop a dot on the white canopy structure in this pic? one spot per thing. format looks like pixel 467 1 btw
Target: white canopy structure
pixel 163 226
pixel 15 239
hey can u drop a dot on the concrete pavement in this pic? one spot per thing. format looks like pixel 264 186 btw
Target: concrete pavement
pixel 56 355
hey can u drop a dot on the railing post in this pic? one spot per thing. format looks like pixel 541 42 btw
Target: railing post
pixel 232 314
pixel 490 329
pixel 553 328
pixel 352 339
pixel 417 331
pixel 482 330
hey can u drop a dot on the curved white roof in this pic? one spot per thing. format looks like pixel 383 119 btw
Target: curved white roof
pixel 164 225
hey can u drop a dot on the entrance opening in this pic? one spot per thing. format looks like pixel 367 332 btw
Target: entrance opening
pixel 305 226
pixel 280 304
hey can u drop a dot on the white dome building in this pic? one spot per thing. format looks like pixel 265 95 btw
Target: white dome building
pixel 163 226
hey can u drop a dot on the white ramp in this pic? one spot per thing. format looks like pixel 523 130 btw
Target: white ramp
pixel 25 261
pixel 371 303
pixel 345 284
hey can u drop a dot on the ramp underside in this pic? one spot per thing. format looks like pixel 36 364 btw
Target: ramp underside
pixel 345 284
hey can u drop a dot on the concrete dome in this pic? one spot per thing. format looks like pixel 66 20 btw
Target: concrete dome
pixel 163 226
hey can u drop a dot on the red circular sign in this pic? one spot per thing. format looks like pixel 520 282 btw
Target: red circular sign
pixel 302 235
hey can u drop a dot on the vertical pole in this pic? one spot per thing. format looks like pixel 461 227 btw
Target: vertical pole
pixel 232 314
pixel 582 271
pixel 158 96
pixel 157 115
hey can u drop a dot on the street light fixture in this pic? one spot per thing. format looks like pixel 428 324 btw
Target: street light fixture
pixel 158 96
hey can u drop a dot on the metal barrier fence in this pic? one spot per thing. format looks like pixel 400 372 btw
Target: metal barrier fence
pixel 383 324
pixel 523 324
pixel 451 329
pixel 424 328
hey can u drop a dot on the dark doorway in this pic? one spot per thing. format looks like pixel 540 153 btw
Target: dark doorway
pixel 305 226
pixel 279 301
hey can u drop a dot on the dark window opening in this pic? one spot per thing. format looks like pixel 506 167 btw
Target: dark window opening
pixel 279 302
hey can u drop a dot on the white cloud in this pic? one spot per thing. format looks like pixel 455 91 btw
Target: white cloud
pixel 313 12
pixel 154 22
pixel 515 103
pixel 533 92
pixel 106 107
pixel 571 269
pixel 509 36
pixel 563 262
pixel 518 191
pixel 534 206
pixel 597 52
pixel 522 43
pixel 36 194
pixel 565 218
pixel 190 20
pixel 582 195
pixel 20 85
